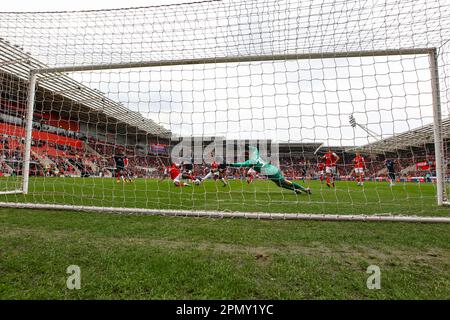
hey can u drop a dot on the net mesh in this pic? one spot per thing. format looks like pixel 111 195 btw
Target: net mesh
pixel 305 82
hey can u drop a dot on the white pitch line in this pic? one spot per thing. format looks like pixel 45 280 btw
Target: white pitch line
pixel 248 215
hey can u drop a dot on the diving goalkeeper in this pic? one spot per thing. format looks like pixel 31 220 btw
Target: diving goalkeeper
pixel 270 171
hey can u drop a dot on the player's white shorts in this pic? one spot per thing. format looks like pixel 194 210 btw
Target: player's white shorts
pixel 321 173
pixel 359 170
pixel 178 178
pixel 331 170
pixel 251 172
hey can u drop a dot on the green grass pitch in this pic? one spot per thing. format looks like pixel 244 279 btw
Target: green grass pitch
pixel 260 196
pixel 155 257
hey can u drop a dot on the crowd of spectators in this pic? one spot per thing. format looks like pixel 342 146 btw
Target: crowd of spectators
pixel 50 159
pixel 94 157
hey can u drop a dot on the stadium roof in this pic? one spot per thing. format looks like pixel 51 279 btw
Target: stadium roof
pixel 404 141
pixel 79 99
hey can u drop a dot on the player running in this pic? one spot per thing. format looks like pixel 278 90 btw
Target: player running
pixel 359 167
pixel 270 171
pixel 390 165
pixel 331 158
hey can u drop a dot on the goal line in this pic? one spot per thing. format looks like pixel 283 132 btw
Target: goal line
pixel 246 215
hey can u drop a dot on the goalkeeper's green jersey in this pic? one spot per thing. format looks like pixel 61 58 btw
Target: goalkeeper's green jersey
pixel 259 165
pixel 269 170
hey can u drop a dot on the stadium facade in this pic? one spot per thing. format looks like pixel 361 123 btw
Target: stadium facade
pixel 76 129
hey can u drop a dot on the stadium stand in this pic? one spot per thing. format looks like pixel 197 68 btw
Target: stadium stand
pixel 76 130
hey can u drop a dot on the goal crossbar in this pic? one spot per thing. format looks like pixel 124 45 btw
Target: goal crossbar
pixel 235 59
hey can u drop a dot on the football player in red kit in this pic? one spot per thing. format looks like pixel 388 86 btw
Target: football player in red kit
pixel 331 159
pixel 176 175
pixel 359 167
pixel 251 173
pixel 218 171
pixel 321 171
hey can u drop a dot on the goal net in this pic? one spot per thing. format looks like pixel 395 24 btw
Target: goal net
pixel 228 108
